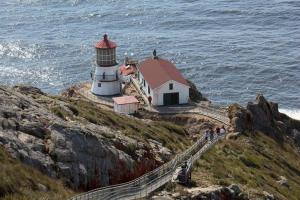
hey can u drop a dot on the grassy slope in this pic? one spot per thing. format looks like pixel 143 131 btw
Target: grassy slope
pixel 20 182
pixel 253 161
pixel 170 135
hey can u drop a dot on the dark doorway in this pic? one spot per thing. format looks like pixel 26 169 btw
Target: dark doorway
pixel 171 98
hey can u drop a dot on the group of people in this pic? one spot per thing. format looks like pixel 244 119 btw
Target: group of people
pixel 210 133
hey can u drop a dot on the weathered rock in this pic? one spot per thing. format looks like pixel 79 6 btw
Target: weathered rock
pixel 78 153
pixel 283 181
pixel 195 94
pixel 42 187
pixel 232 136
pixel 268 196
pixel 36 129
pixel 232 192
pixel 263 116
pixel 235 188
pixel 240 118
pixel 28 90
pixel 296 136
pixel 162 152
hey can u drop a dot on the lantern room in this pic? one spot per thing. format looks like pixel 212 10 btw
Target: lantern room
pixel 106 52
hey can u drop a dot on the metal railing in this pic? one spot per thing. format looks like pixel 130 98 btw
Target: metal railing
pixel 144 185
pixel 104 78
pixel 214 113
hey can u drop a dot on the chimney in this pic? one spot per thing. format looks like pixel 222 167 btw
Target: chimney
pixel 106 40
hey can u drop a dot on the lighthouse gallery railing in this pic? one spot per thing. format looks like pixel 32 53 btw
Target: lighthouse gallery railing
pixel 104 78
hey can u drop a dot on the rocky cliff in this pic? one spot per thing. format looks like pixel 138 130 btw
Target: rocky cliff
pixel 262 115
pixel 56 136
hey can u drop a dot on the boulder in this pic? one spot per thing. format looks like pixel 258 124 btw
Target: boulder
pixel 283 181
pixel 268 196
pixel 42 187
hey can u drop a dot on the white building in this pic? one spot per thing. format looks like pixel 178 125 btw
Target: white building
pixel 162 82
pixel 106 78
pixel 126 104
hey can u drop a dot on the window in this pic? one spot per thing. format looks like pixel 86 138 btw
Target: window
pixel 171 86
pixel 148 90
pixel 144 83
pixel 99 84
pixel 106 56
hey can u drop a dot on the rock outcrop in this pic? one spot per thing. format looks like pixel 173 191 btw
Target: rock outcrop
pixel 195 94
pixel 81 154
pixel 232 192
pixel 262 115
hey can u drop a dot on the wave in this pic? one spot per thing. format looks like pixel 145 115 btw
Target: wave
pixel 18 50
pixel 293 113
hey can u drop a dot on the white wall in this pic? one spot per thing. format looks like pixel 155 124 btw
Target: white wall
pixel 107 88
pixel 183 90
pixel 125 78
pixel 126 108
pixel 108 70
pixel 157 94
pixel 145 88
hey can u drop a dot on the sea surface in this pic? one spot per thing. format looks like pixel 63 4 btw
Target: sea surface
pixel 231 49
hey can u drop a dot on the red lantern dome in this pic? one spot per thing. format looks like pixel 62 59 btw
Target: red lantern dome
pixel 106 52
pixel 105 43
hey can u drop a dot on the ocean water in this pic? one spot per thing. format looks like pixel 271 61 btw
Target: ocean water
pixel 231 49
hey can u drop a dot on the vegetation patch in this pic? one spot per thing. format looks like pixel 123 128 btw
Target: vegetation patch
pixel 170 135
pixel 255 161
pixel 19 181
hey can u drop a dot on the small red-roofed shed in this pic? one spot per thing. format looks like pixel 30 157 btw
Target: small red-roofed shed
pixel 126 104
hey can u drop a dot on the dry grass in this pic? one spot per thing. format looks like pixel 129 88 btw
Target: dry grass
pixel 20 182
pixel 170 135
pixel 254 161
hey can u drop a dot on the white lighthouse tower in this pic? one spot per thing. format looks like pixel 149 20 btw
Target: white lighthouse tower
pixel 105 78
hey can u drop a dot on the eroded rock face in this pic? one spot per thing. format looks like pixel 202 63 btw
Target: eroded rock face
pixel 240 118
pixel 78 153
pixel 262 115
pixel 266 117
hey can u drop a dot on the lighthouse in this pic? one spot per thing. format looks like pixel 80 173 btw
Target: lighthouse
pixel 105 78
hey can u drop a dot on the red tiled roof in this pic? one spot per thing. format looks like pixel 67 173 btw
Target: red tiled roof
pixel 105 43
pixel 125 100
pixel 126 70
pixel 157 71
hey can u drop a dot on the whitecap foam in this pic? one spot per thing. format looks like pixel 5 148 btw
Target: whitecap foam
pixel 293 113
pixel 18 50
